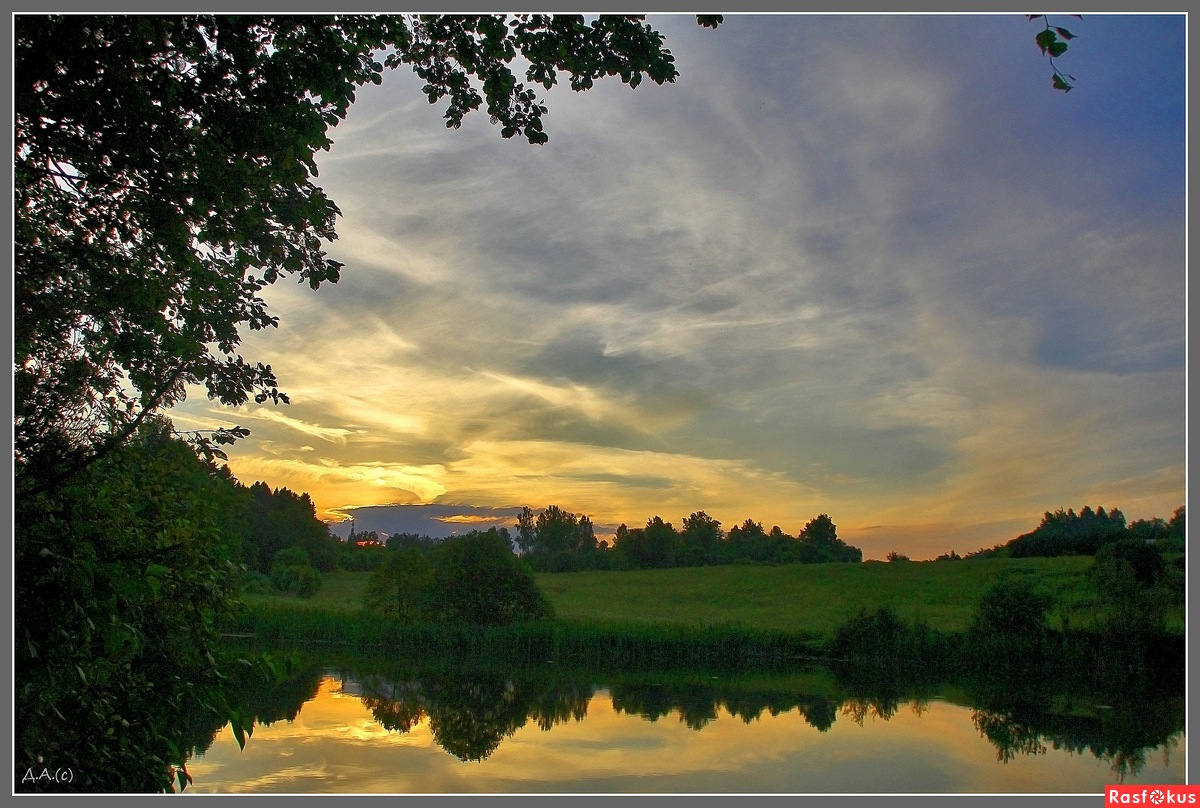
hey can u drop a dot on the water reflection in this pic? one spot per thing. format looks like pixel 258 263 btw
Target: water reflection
pixel 472 713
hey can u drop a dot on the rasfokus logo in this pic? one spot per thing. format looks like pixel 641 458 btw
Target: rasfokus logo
pixel 1151 795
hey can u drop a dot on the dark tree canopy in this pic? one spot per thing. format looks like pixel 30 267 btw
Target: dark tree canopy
pixel 164 173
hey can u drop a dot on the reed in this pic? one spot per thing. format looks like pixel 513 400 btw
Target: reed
pixel 594 643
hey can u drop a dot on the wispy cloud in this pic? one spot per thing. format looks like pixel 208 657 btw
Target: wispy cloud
pixel 870 281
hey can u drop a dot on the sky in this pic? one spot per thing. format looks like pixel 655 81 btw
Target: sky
pixel 869 266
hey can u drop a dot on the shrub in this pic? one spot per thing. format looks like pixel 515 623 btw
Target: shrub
pixel 1127 575
pixel 291 572
pixel 1011 608
pixel 402 586
pixel 307 581
pixel 883 635
pixel 255 583
pixel 1008 628
pixel 477 579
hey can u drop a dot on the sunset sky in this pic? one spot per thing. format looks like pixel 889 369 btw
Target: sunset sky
pixel 869 266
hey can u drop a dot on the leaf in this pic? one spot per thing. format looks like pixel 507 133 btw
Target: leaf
pixel 1059 83
pixel 1064 33
pixel 235 723
pixel 1057 49
pixel 1045 39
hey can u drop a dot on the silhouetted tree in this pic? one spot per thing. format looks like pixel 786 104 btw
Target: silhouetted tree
pixel 701 538
pixel 556 540
pixel 477 579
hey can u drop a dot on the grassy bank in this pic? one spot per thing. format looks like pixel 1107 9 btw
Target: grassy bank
pixel 812 599
pixel 534 642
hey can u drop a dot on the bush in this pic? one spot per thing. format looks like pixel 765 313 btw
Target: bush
pixel 1011 608
pixel 1008 628
pixel 360 559
pixel 307 581
pixel 1125 564
pixel 402 586
pixel 477 579
pixel 882 635
pixel 291 572
pixel 253 582
pixel 1127 575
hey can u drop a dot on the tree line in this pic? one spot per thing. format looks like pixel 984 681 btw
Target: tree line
pixel 1069 533
pixel 556 540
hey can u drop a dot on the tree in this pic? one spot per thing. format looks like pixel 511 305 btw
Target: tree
pixel 556 540
pixel 280 518
pixel 402 586
pixel 662 544
pixel 164 175
pixel 1127 576
pixel 292 572
pixel 701 537
pixel 821 543
pixel 123 575
pixel 1008 626
pixel 477 579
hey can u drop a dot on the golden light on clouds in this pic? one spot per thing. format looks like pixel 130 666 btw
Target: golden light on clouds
pixel 684 310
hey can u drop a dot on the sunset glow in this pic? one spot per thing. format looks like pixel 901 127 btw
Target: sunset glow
pixel 910 287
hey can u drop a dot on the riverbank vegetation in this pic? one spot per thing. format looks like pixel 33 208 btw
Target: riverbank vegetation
pixel 813 599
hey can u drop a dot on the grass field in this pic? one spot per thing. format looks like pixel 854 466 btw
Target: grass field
pixel 811 597
pixel 814 598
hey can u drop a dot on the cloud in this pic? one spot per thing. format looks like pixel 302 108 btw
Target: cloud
pixel 331 434
pixel 869 281
pixel 433 520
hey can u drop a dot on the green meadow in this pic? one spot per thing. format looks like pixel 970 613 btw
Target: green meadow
pixel 812 599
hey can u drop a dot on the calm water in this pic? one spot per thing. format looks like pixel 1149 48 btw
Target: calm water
pixel 543 731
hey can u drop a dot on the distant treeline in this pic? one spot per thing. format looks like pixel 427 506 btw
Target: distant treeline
pixel 556 540
pixel 1084 533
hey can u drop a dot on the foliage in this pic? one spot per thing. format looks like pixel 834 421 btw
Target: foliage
pixel 291 572
pixel 1127 575
pixel 882 635
pixel 556 540
pixel 658 544
pixel 359 559
pixel 402 586
pixel 1052 40
pixel 280 518
pixel 1068 533
pixel 473 578
pixel 1009 623
pixel 477 579
pixel 701 538
pixel 120 579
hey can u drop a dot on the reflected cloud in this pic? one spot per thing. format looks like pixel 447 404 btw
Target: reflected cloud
pixel 536 731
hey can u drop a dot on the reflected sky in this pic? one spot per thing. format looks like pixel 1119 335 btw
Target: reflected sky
pixel 335 746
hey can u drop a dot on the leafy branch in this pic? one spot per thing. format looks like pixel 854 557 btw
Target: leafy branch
pixel 1053 43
